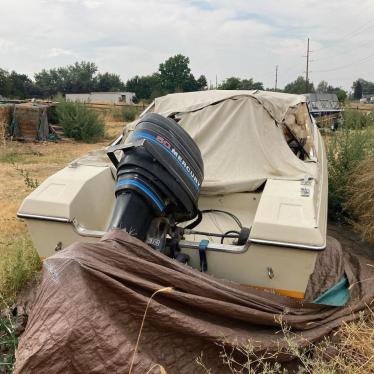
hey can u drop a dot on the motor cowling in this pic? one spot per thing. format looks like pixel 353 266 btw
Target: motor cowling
pixel 158 176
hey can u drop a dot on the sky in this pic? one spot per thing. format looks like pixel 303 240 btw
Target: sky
pixel 244 38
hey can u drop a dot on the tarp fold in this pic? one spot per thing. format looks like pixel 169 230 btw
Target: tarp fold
pixel 89 307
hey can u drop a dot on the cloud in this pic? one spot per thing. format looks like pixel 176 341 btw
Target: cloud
pixel 56 52
pixel 223 38
pixel 5 45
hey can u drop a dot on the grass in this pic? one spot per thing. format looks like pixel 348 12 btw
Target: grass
pixel 355 119
pixel 8 341
pixel 124 114
pixel 11 157
pixel 19 264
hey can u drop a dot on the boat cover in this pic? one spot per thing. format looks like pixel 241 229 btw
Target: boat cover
pixel 239 136
pixel 89 307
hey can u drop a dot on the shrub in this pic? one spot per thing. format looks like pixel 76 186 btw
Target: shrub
pixel 80 122
pixel 354 119
pixel 128 114
pixel 124 114
pixel 346 149
pixel 360 199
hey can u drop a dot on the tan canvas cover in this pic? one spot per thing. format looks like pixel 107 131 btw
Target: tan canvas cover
pixel 239 135
pixel 89 307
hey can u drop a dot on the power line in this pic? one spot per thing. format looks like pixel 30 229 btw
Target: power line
pixel 349 35
pixel 345 66
pixel 346 51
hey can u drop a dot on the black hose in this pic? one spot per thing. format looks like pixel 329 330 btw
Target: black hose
pixel 233 216
pixel 229 232
pixel 213 234
pixel 196 222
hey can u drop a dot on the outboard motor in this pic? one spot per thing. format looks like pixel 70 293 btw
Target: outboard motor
pixel 159 179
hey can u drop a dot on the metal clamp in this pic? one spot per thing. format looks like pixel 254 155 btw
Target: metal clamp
pixel 228 248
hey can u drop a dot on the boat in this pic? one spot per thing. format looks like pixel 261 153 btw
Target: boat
pixel 243 196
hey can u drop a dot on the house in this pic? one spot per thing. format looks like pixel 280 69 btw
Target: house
pixel 102 97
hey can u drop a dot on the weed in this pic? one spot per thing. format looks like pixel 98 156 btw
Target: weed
pixel 18 154
pixel 161 290
pixel 355 120
pixel 346 149
pixel 360 199
pixel 80 122
pixel 349 350
pixel 11 157
pixel 30 182
pixel 124 114
pixel 19 264
pixel 128 114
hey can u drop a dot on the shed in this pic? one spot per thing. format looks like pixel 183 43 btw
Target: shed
pixel 323 103
pixel 30 122
pixel 102 97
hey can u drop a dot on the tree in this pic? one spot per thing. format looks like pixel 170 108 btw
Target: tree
pixel 202 82
pixel 145 87
pixel 20 85
pixel 76 78
pixel 299 86
pixel 109 82
pixel 231 83
pixel 323 87
pixel 235 83
pixel 175 74
pixel 362 87
pixel 79 77
pixel 249 84
pixel 357 89
pixel 4 82
pixel 341 94
pixel 17 86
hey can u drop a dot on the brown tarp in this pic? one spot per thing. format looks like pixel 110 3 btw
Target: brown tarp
pixel 89 307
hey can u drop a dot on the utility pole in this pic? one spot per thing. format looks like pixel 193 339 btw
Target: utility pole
pixel 276 78
pixel 307 69
pixel 216 81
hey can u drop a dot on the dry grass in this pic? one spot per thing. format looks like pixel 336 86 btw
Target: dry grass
pixel 360 202
pixel 350 350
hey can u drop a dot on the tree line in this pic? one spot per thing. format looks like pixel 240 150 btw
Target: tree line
pixel 173 75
